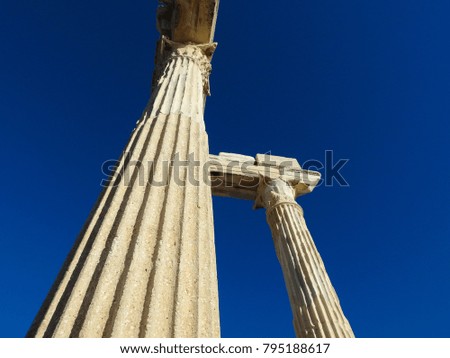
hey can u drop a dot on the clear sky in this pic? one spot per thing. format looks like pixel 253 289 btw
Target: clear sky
pixel 369 80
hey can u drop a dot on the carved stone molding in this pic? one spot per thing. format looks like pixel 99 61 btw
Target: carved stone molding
pixel 200 54
pixel 274 193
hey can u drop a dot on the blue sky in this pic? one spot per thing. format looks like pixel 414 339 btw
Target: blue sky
pixel 369 80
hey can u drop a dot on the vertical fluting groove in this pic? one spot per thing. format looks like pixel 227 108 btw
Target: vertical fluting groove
pixel 145 254
pixel 141 266
pixel 183 153
pixel 120 325
pixel 291 271
pixel 208 307
pixel 113 238
pixel 150 282
pixel 197 106
pixel 49 306
pixel 88 241
pixel 181 326
pixel 295 280
pixel 43 317
pixel 186 105
pixel 112 315
pixel 326 296
pixel 316 309
pixel 333 295
pixel 303 227
pixel 182 238
pixel 309 273
pixel 180 89
pixel 299 250
pixel 92 254
pixel 145 148
pixel 162 91
pixel 297 295
pixel 329 294
pixel 204 289
pixel 102 293
pixel 151 161
pixel 181 150
pixel 215 316
pixel 292 268
pixel 157 320
pixel 166 105
pixel 148 296
pixel 202 237
pixel 184 314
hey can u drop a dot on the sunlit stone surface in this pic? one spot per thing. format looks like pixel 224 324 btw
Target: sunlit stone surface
pixel 144 264
pixel 314 302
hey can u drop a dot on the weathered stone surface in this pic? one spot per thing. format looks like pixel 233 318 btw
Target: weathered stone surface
pixel 237 157
pixel 188 21
pixel 144 264
pixel 239 176
pixel 315 306
pixel 270 160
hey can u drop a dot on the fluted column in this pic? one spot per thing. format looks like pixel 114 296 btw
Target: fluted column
pixel 144 263
pixel 315 305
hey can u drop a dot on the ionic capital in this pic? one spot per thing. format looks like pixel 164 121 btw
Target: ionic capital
pixel 275 193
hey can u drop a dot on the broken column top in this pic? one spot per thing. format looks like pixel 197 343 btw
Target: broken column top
pixel 188 21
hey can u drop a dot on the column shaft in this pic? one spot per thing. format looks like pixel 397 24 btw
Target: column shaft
pixel 144 264
pixel 314 302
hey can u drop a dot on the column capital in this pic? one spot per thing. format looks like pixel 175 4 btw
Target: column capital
pixel 200 54
pixel 241 176
pixel 275 192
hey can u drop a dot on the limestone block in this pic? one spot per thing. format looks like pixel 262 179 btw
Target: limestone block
pixel 237 157
pixel 276 161
pixel 188 21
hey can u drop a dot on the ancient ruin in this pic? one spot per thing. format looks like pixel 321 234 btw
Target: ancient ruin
pixel 144 264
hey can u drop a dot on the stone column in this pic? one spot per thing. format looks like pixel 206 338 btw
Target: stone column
pixel 144 263
pixel 315 305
